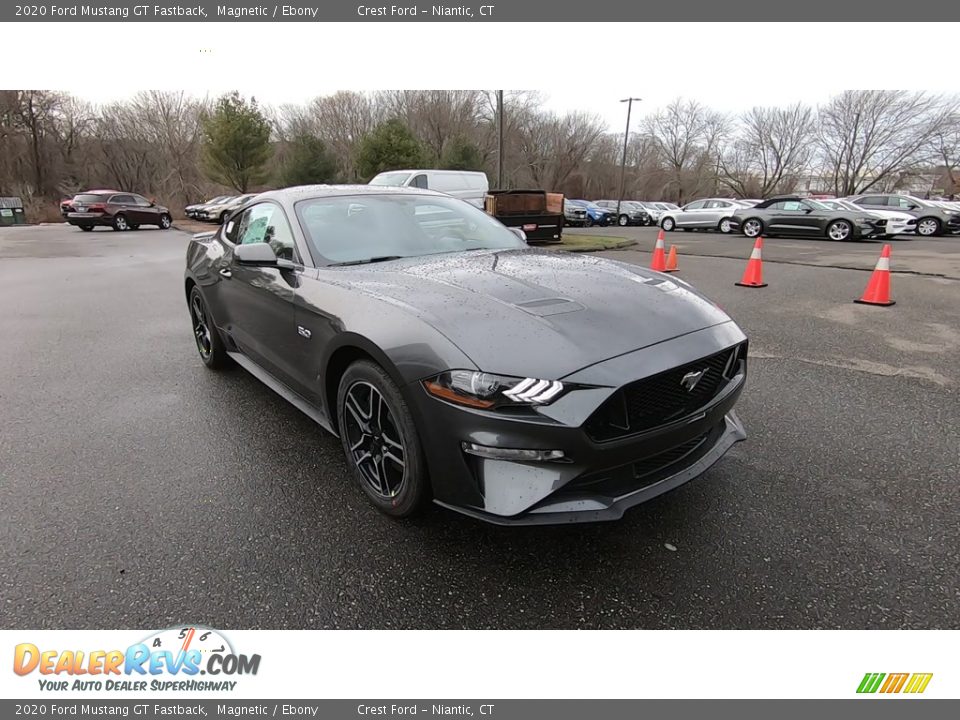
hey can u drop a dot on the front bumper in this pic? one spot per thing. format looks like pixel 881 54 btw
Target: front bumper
pixel 597 480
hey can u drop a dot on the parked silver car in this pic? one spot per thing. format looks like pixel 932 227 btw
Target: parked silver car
pixel 219 212
pixel 706 214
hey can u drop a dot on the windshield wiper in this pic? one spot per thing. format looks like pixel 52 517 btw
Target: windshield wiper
pixel 379 258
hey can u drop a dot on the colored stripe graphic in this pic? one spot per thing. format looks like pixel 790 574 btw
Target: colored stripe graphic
pixel 870 682
pixel 918 682
pixel 894 683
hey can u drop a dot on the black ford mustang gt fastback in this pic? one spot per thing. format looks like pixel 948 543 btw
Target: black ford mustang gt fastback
pixel 803 217
pixel 457 364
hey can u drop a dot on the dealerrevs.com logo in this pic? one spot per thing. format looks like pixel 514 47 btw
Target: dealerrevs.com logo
pixel 891 683
pixel 172 659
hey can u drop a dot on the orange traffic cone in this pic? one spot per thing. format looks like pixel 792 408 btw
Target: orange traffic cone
pixel 753 275
pixel 878 289
pixel 659 261
pixel 672 260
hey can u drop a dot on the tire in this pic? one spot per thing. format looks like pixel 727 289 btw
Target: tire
pixel 752 227
pixel 724 226
pixel 589 222
pixel 120 222
pixel 86 228
pixel 210 346
pixel 165 222
pixel 380 441
pixel 928 227
pixel 840 230
pixel 668 224
pixel 623 221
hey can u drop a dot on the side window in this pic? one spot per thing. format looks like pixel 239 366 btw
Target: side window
pixel 266 223
pixel 902 203
pixel 420 181
pixel 872 200
pixel 695 205
pixel 792 205
pixel 122 200
pixel 141 201
pixel 779 205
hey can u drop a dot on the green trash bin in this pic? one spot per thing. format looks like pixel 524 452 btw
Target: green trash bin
pixel 11 211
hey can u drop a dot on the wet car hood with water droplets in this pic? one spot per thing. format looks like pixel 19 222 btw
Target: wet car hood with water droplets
pixel 538 313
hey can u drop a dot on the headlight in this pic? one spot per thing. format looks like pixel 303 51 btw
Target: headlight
pixel 866 220
pixel 486 391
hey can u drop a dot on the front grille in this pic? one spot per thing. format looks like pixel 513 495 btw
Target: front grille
pixel 662 398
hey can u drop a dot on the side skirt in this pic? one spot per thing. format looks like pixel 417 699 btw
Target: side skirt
pixel 295 399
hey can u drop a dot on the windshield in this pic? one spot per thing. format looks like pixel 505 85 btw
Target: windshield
pixel 391 178
pixel 357 228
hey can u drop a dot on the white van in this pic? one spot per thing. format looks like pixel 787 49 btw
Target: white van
pixel 466 185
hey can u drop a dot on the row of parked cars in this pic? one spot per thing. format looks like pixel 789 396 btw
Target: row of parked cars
pixel 217 209
pixel 587 213
pixel 872 215
pixel 878 215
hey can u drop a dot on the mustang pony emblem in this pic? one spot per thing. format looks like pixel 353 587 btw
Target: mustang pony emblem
pixel 691 379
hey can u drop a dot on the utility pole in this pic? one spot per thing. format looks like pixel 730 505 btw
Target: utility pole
pixel 623 161
pixel 500 140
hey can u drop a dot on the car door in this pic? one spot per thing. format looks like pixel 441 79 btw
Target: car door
pixel 123 203
pixel 790 217
pixel 714 211
pixel 146 212
pixel 689 214
pixel 258 301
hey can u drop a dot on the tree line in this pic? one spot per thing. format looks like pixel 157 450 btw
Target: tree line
pixel 180 149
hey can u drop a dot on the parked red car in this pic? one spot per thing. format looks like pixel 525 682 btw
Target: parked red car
pixel 119 210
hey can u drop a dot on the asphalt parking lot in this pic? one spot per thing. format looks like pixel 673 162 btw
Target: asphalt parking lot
pixel 139 490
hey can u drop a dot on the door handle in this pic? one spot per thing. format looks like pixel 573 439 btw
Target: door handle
pixel 226 273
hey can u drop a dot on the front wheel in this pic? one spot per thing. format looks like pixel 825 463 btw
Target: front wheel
pixel 380 440
pixel 839 230
pixel 165 222
pixel 752 227
pixel 928 227
pixel 87 228
pixel 120 222
pixel 725 226
pixel 668 224
pixel 623 221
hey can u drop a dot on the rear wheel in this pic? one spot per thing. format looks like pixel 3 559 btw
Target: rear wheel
pixel 210 345
pixel 668 224
pixel 752 227
pixel 87 228
pixel 724 226
pixel 623 221
pixel 381 441
pixel 928 226
pixel 120 222
pixel 165 222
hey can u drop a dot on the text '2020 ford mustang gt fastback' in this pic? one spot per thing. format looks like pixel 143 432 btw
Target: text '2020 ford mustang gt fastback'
pixel 456 363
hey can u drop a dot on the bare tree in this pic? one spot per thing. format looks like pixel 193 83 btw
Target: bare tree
pixel 868 137
pixel 686 136
pixel 946 148
pixel 772 148
pixel 35 111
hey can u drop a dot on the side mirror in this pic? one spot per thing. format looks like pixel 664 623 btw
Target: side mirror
pixel 255 254
pixel 519 233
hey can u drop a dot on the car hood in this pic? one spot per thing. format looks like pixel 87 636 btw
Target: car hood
pixel 532 312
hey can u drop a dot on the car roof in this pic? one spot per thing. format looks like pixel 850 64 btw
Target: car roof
pixel 309 192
